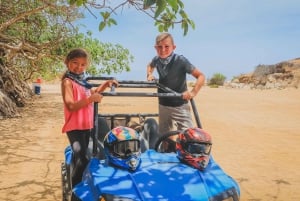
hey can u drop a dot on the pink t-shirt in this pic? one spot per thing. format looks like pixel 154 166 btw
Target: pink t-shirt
pixel 81 119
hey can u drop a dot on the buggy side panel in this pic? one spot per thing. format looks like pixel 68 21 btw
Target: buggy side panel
pixel 68 155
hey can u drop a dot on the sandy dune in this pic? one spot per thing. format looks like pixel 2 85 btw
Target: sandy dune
pixel 256 136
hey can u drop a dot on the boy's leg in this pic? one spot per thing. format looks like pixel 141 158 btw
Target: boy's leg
pixel 182 116
pixel 165 122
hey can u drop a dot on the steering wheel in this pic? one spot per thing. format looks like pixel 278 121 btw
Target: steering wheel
pixel 167 142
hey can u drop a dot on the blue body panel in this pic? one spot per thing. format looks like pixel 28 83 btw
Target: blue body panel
pixel 68 155
pixel 161 176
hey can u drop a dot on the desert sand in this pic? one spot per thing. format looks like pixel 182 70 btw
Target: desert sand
pixel 256 137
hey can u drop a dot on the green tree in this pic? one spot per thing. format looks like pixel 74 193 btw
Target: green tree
pixel 34 37
pixel 29 31
pixel 105 57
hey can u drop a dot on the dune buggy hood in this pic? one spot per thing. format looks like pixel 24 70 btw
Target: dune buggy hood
pixel 161 176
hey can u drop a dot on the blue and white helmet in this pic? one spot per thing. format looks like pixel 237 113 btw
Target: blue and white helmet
pixel 122 148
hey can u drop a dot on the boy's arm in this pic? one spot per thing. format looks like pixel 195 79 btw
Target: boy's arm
pixel 150 70
pixel 187 95
pixel 199 82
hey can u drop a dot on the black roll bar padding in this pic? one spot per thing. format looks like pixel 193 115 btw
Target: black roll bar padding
pixel 95 130
pixel 129 115
pixel 130 84
pixel 99 78
pixel 140 94
pixel 124 82
pixel 166 89
pixel 196 115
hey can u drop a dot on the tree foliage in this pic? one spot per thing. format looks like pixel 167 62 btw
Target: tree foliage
pixel 165 13
pixel 106 58
pixel 34 38
pixel 31 31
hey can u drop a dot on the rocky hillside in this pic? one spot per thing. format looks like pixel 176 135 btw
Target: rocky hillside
pixel 279 76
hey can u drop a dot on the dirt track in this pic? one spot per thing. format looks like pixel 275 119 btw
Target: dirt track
pixel 256 137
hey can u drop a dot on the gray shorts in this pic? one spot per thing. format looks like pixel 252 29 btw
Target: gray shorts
pixel 174 118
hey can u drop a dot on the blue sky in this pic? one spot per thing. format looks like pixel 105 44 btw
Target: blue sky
pixel 231 37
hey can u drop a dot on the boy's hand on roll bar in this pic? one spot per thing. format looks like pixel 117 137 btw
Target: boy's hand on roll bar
pixel 187 95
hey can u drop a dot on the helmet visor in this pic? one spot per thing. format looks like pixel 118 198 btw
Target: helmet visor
pixel 124 149
pixel 197 148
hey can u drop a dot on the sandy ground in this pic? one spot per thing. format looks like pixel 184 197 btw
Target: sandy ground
pixel 256 136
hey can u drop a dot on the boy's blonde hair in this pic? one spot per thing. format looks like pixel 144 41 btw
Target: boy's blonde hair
pixel 163 36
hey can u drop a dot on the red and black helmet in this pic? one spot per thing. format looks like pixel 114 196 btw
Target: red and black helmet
pixel 193 147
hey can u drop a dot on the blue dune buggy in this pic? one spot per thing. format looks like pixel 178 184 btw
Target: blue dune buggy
pixel 160 177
